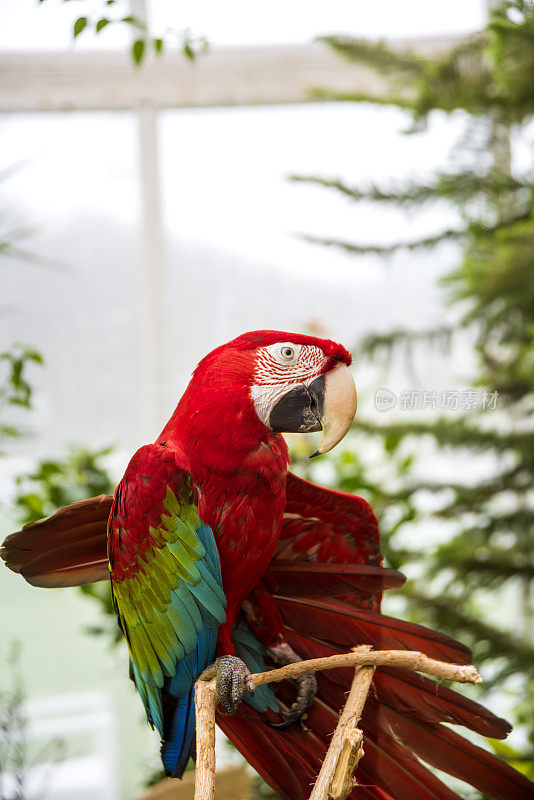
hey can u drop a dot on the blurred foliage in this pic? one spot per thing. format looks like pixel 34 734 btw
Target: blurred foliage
pixel 488 559
pixel 112 14
pixel 490 556
pixel 15 757
pixel 11 235
pixel 14 236
pixel 13 746
pixel 53 484
pixel 15 389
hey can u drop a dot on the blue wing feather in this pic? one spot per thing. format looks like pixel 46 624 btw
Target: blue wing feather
pixel 169 597
pixel 167 590
pixel 250 650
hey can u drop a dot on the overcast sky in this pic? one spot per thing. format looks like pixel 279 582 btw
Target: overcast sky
pixel 232 260
pixel 48 25
pixel 229 212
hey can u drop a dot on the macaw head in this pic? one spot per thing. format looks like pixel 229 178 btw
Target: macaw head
pixel 290 383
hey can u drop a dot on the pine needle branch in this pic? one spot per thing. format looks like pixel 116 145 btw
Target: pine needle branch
pixel 460 433
pixel 384 345
pixel 450 187
pixel 450 616
pixel 388 250
pixel 488 572
pixel 396 100
pixel 377 55
pixel 477 229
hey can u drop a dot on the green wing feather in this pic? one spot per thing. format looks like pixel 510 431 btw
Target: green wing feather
pixel 165 577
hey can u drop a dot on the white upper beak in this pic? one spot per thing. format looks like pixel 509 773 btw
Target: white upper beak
pixel 340 404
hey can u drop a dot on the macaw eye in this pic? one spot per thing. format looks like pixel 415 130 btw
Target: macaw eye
pixel 287 352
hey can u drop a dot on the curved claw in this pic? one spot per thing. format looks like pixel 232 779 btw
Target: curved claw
pixel 306 688
pixel 306 691
pixel 231 674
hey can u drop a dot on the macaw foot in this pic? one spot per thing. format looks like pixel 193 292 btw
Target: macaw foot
pixel 306 687
pixel 231 674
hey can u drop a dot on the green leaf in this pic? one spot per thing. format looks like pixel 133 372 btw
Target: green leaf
pixel 406 464
pixel 32 504
pixel 391 441
pixel 101 24
pixel 33 355
pixel 47 469
pixel 188 51
pixel 138 51
pixel 135 21
pixel 79 26
pixel 9 430
pixel 158 46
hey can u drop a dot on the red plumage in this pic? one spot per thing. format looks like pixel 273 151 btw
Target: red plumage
pixel 404 710
pixel 305 564
pixel 67 549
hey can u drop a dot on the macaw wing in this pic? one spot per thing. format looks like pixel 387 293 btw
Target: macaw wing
pixel 167 591
pixel 323 530
pixel 66 549
pixel 328 571
pixel 326 581
pixel 343 525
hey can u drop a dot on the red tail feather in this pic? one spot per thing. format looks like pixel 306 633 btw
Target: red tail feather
pixel 67 549
pixel 420 697
pixel 313 579
pixel 340 623
pixel 326 539
pixel 385 765
pixel 446 750
pixel 393 767
pixel 326 581
pixel 431 702
pixel 287 759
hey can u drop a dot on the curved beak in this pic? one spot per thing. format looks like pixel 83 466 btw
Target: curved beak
pixel 339 407
pixel 327 404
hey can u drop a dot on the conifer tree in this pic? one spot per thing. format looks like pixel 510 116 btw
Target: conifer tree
pixel 488 560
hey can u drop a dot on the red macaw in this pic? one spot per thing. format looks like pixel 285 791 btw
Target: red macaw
pixel 220 558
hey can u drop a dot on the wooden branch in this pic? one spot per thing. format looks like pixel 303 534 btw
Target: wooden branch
pixel 343 780
pixel 407 659
pixel 346 746
pixel 335 780
pixel 206 699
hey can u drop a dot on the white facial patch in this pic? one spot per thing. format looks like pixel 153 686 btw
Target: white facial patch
pixel 279 368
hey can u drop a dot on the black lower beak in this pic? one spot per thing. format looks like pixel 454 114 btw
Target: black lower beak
pixel 300 410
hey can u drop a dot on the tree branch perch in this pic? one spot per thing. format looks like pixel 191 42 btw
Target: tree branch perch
pixel 335 779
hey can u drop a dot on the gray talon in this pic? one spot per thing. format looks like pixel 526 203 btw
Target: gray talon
pixel 231 674
pixel 306 687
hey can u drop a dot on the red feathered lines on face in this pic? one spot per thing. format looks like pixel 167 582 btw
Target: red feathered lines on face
pixel 237 358
pixel 217 404
pixel 334 352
